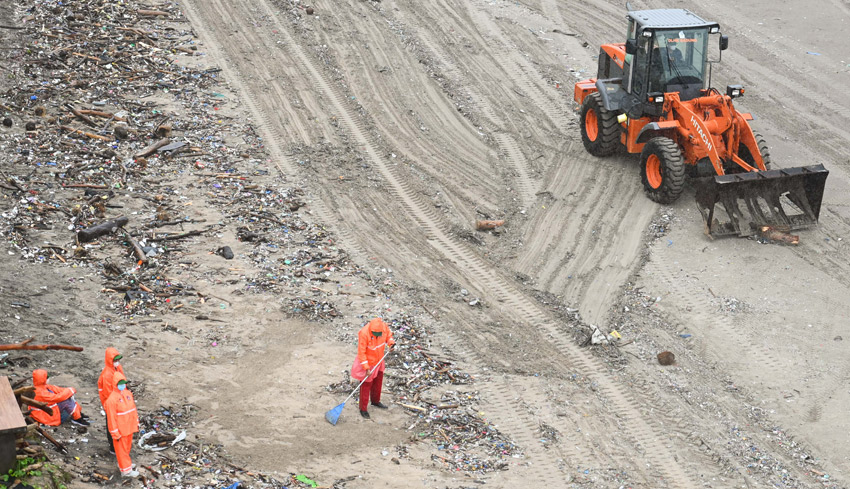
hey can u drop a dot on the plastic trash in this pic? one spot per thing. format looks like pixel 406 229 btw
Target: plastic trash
pixel 303 478
pixel 154 448
pixel 226 252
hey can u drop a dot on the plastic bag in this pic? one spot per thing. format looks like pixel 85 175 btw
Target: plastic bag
pixel 358 372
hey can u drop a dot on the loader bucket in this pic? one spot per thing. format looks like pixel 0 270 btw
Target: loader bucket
pixel 786 199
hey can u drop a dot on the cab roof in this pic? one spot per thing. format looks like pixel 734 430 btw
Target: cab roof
pixel 668 19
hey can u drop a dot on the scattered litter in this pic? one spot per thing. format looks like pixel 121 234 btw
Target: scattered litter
pixel 154 441
pixel 488 225
pixel 303 478
pixel 225 252
pixel 666 358
pixel 598 337
pixel 774 234
pixel 452 423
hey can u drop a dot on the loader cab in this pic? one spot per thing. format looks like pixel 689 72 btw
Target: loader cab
pixel 677 62
pixel 666 51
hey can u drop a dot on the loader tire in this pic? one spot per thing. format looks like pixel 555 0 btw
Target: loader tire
pixel 662 170
pixel 600 131
pixel 744 152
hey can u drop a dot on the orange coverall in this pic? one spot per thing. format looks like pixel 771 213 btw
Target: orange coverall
pixel 122 420
pixel 370 350
pixel 105 385
pixel 52 395
pixel 104 382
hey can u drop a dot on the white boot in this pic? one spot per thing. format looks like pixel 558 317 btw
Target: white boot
pixel 132 473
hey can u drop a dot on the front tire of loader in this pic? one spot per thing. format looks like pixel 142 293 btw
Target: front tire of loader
pixel 662 170
pixel 744 152
pixel 600 131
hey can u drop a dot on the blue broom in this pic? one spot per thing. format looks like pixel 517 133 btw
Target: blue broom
pixel 333 415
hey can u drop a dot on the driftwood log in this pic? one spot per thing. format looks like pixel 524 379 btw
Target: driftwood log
pixel 152 12
pixel 152 148
pixel 487 225
pixel 29 389
pixel 137 248
pixel 780 235
pixel 25 345
pixel 106 227
pixel 80 115
pixel 37 404
pixel 84 133
pixel 84 185
pixel 179 236
pixel 52 440
pixel 105 115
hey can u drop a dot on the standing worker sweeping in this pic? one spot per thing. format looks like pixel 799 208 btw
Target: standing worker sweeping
pixel 105 383
pixel 122 421
pixel 371 342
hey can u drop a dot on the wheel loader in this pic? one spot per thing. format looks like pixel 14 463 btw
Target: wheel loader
pixel 652 95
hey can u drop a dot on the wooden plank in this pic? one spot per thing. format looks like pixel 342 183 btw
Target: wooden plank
pixel 11 419
pixel 7 452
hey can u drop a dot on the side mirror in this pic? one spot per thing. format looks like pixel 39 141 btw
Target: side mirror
pixel 631 46
pixel 724 43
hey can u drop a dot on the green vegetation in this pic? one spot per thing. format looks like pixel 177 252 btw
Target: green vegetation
pixel 36 473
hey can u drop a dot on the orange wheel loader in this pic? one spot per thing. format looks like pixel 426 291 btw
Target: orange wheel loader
pixel 653 96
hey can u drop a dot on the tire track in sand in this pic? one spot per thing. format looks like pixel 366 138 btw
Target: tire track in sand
pixel 511 418
pixel 480 273
pixel 603 228
pixel 514 422
pixel 521 71
pixel 508 146
pixel 486 278
pixel 269 114
pixel 703 313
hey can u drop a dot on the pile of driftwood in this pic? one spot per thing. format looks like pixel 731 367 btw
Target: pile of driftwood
pixel 24 396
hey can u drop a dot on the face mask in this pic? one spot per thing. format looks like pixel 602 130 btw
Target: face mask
pixel 116 364
pixel 121 387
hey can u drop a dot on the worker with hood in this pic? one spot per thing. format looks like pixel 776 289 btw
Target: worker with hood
pixel 104 382
pixel 122 421
pixel 59 399
pixel 371 342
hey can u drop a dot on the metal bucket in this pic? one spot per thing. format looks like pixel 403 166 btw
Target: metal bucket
pixel 740 203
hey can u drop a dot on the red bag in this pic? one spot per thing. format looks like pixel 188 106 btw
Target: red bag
pixel 358 372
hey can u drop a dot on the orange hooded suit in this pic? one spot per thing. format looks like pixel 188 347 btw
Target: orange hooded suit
pixel 370 351
pixel 104 382
pixel 52 395
pixel 122 421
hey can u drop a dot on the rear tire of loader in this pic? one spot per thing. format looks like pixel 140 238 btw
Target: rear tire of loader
pixel 662 170
pixel 744 152
pixel 600 131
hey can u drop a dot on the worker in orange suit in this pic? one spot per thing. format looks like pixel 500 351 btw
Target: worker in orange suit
pixel 371 342
pixel 105 384
pixel 60 400
pixel 122 421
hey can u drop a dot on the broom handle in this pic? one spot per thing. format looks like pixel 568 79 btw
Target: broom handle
pixel 366 377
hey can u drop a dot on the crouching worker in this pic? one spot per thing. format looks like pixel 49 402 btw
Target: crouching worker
pixel 122 421
pixel 60 400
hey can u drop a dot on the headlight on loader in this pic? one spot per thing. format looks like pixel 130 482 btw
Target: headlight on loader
pixel 735 91
pixel 655 98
